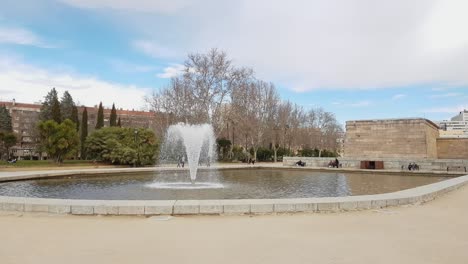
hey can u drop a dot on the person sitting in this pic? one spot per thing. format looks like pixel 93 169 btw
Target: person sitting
pixel 334 164
pixel 300 163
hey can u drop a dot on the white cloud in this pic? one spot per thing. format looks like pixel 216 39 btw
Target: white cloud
pixel 360 104
pixel 171 71
pixel 30 84
pixel 21 36
pixel 398 96
pixel 127 67
pixel 306 44
pixel 446 95
pixel 443 30
pixel 153 49
pixel 151 6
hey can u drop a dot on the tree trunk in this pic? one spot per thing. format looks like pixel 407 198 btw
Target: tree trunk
pixel 275 156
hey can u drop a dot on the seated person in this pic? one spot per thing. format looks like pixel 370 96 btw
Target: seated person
pixel 300 163
pixel 334 163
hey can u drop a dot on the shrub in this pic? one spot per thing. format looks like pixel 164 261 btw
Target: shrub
pixel 122 146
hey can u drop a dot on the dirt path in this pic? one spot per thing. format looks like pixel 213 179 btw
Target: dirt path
pixel 436 232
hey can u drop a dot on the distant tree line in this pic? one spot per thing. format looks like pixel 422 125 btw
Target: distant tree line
pixel 248 116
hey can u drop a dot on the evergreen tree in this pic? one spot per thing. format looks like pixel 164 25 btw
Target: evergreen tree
pixel 100 117
pixel 75 118
pixel 66 106
pixel 119 124
pixel 7 140
pixel 5 120
pixel 50 109
pixel 84 132
pixel 56 115
pixel 113 116
pixel 60 141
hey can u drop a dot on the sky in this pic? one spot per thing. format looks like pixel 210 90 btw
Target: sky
pixel 360 59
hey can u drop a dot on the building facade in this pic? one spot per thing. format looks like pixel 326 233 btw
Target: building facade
pixel 128 118
pixel 457 126
pixel 25 118
pixel 406 139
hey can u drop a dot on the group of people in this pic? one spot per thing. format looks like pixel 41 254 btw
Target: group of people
pixel 334 163
pixel 300 163
pixel 181 162
pixel 251 161
pixel 412 166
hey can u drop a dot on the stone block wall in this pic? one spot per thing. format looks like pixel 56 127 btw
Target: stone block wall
pixel 389 163
pixel 393 138
pixel 452 148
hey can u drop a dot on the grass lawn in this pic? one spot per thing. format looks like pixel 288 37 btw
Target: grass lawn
pixel 46 163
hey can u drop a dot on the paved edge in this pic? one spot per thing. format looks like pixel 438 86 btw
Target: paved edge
pixel 216 207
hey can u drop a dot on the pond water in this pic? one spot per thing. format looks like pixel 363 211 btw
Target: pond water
pixel 214 184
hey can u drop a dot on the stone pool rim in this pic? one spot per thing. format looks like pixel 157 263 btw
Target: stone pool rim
pixel 416 195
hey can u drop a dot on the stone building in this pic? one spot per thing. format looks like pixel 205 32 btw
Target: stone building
pixel 393 144
pixel 25 118
pixel 405 139
pixel 391 138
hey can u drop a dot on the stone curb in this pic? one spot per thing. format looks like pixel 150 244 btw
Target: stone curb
pixel 241 206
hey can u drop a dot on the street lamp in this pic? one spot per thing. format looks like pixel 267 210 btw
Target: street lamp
pixel 138 147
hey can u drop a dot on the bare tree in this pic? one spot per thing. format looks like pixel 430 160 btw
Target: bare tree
pixel 198 95
pixel 241 108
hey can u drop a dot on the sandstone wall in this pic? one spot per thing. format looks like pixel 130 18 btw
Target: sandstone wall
pixel 389 163
pixel 452 148
pixel 396 138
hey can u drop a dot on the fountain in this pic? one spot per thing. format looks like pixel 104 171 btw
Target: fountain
pixel 193 143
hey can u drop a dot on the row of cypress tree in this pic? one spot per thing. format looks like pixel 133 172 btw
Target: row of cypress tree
pixel 113 121
pixel 66 108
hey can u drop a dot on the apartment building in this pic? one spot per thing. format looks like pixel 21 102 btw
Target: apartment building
pixel 25 117
pixel 456 127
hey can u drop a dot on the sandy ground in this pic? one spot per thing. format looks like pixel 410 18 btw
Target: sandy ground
pixel 436 232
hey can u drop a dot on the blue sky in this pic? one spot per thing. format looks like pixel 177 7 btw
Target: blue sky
pixel 358 59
